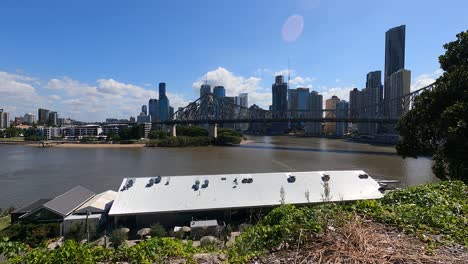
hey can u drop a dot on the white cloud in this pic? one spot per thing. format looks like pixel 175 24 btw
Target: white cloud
pixel 285 72
pixel 55 97
pixel 18 92
pixel 425 79
pixel 237 84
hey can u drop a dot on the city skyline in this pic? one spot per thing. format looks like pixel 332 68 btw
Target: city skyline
pixel 106 88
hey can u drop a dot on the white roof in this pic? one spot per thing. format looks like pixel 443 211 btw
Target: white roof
pixel 266 189
pixel 98 203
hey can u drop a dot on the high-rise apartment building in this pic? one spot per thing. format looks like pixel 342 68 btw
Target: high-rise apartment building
pixel 243 99
pixel 341 128
pixel 279 103
pixel 163 103
pixel 330 106
pixel 4 119
pixel 315 105
pixel 400 84
pixel 144 109
pixel 43 116
pixel 30 118
pixel 52 121
pixel 219 91
pixel 394 59
pixel 153 109
pixel 204 89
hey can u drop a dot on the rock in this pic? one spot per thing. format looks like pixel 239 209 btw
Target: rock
pixel 208 240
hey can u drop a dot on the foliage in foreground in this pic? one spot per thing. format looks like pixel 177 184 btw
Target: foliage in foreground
pixel 438 123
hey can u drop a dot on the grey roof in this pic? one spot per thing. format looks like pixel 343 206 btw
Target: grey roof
pixel 31 207
pixel 66 203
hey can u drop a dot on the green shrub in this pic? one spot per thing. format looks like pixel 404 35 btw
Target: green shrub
pixel 157 134
pixel 118 237
pixel 191 131
pixel 230 132
pixel 225 139
pixel 437 208
pixel 157 230
pixel 32 234
pixel 181 141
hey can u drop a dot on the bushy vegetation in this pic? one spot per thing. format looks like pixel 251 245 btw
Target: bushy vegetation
pixel 439 209
pixel 118 237
pixel 193 136
pixel 191 131
pixel 32 234
pixel 157 230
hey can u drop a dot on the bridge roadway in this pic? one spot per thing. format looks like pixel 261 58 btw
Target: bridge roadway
pixel 277 120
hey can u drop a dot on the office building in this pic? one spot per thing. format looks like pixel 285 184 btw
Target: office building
pixel 82 131
pixel 53 116
pixel 153 106
pixel 298 100
pixel 394 59
pixel 219 91
pixel 315 105
pixel 204 89
pixel 163 103
pixel 142 118
pixel 43 116
pixel 279 103
pixel 29 118
pixel 144 109
pixel 341 112
pixel 400 84
pixel 374 96
pixel 19 120
pixel 330 107
pixel 243 101
pixel 132 120
pixel 4 119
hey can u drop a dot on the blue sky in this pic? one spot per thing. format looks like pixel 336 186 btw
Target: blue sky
pixel 95 59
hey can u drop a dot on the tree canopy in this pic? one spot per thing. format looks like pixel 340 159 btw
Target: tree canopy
pixel 438 123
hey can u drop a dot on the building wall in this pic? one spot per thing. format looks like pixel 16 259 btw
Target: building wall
pixel 330 104
pixel 4 119
pixel 204 89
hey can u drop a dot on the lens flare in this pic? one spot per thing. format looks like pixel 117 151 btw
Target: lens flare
pixel 292 28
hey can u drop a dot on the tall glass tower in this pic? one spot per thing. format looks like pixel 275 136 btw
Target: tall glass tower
pixel 163 103
pixel 394 58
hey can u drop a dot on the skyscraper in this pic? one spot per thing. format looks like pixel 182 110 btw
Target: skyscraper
pixel 52 121
pixel 144 109
pixel 279 94
pixel 4 119
pixel 315 107
pixel 279 103
pixel 400 83
pixel 330 104
pixel 243 99
pixel 163 103
pixel 394 59
pixel 204 89
pixel 29 118
pixel 219 91
pixel 341 112
pixel 153 110
pixel 373 100
pixel 43 116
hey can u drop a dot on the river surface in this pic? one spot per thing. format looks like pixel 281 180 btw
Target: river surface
pixel 28 173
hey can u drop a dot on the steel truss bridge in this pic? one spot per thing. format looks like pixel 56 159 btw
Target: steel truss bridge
pixel 210 109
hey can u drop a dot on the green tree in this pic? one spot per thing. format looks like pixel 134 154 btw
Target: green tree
pixel 118 237
pixel 157 230
pixel 438 123
pixel 157 134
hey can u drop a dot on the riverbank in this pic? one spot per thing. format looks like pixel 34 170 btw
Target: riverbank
pixel 81 145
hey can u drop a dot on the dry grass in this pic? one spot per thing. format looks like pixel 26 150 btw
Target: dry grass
pixel 361 241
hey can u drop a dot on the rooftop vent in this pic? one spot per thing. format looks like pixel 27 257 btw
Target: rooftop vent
pixel 196 186
pixel 150 183
pixel 157 179
pixel 247 180
pixel 325 177
pixel 363 176
pixel 205 184
pixel 127 185
pixel 291 178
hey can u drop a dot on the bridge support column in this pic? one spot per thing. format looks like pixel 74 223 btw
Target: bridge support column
pixel 174 130
pixel 213 131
